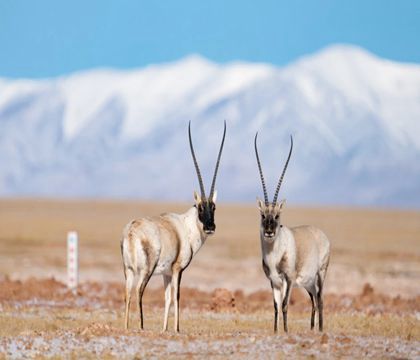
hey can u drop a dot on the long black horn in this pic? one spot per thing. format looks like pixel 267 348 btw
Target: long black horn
pixel 260 169
pixel 213 184
pixel 197 169
pixel 284 170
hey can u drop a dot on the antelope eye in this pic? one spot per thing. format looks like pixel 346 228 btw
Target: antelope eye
pixel 276 217
pixel 263 217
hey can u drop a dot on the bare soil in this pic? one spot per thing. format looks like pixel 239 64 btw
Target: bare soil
pixel 372 299
pixel 42 318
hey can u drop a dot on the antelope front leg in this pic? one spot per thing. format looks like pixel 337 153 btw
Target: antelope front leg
pixel 276 310
pixel 176 283
pixel 286 296
pixel 168 299
pixel 277 304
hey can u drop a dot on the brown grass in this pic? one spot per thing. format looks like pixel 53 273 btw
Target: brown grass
pixel 379 246
pixel 203 323
pixel 26 222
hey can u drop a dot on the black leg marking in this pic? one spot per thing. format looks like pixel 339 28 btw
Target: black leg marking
pixel 286 303
pixel 313 311
pixel 320 304
pixel 178 296
pixel 276 311
pixel 141 292
pixel 266 270
pixel 189 261
pixel 179 284
pixel 285 321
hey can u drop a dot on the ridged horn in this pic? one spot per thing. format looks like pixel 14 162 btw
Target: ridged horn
pixel 213 184
pixel 197 169
pixel 260 169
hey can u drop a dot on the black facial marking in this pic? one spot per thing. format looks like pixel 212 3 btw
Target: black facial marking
pixel 270 221
pixel 206 211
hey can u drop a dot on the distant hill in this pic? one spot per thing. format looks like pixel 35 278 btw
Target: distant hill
pixel 355 119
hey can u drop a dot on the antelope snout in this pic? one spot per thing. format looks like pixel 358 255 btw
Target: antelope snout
pixel 210 229
pixel 269 235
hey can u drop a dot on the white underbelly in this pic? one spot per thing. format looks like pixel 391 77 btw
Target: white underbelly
pixel 305 282
pixel 164 267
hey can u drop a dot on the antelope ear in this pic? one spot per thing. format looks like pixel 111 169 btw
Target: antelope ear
pixel 282 205
pixel 214 196
pixel 197 198
pixel 260 204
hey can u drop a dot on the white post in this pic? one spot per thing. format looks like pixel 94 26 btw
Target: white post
pixel 72 260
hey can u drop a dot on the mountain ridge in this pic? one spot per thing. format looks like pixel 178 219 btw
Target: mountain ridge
pixel 355 126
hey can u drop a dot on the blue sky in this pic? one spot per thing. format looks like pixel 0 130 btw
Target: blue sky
pixel 48 38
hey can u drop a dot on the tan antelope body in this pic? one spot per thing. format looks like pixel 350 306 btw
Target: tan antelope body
pixel 296 256
pixel 165 245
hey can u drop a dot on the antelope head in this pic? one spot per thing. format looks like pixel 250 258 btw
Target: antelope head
pixel 206 206
pixel 270 212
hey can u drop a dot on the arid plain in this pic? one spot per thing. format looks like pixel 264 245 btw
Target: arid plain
pixel 372 294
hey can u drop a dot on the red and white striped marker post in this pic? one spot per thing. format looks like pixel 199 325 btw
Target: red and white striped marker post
pixel 72 260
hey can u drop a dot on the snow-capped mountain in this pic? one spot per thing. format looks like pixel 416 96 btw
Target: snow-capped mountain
pixel 355 119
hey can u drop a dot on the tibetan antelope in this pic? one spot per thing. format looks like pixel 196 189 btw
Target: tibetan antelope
pixel 165 245
pixel 291 256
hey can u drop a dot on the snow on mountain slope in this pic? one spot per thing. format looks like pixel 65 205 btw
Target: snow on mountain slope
pixel 152 94
pixel 355 119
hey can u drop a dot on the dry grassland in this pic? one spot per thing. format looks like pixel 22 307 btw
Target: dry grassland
pixel 376 246
pixel 40 318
